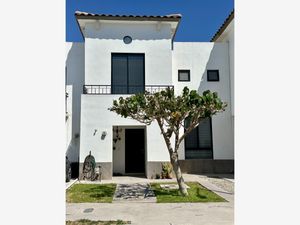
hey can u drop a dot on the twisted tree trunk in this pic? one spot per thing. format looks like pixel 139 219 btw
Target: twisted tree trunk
pixel 178 174
pixel 174 158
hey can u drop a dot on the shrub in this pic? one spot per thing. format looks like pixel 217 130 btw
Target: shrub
pixel 166 170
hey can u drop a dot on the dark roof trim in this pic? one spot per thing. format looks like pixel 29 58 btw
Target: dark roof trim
pixel 223 27
pixel 85 15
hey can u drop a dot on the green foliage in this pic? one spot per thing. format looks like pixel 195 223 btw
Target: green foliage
pixel 169 109
pixel 80 193
pixel 167 169
pixel 92 222
pixel 197 193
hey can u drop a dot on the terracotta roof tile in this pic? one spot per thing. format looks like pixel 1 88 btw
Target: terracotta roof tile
pixel 223 26
pixel 171 16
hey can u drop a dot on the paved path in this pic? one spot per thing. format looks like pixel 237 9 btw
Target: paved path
pixel 141 213
pixel 138 192
pixel 70 183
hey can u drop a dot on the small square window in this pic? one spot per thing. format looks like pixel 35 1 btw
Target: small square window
pixel 184 75
pixel 213 75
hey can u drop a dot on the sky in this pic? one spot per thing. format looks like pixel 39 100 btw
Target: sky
pixel 200 18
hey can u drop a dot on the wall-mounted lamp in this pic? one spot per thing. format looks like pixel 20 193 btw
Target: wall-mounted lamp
pixel 104 133
pixel 95 131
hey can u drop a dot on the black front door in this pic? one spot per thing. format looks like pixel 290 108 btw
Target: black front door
pixel 134 151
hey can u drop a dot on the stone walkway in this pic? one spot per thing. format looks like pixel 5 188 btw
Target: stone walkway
pixel 224 183
pixel 138 192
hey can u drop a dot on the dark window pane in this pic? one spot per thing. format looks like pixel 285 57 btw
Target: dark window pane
pixel 183 75
pixel 212 75
pixel 119 76
pixel 204 134
pixel 191 141
pixel 136 73
pixel 198 143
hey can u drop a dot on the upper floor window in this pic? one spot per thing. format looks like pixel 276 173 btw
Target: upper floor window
pixel 128 73
pixel 213 75
pixel 184 75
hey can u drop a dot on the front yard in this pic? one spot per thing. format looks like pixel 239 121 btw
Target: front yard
pixel 98 193
pixel 103 193
pixel 90 222
pixel 197 193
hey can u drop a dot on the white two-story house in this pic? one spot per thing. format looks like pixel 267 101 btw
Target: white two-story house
pixel 125 54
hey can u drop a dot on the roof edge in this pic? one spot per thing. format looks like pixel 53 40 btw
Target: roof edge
pixel 223 26
pixel 85 15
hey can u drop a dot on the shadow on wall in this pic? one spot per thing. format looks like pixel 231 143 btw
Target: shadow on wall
pixel 137 32
pixel 219 60
pixel 75 78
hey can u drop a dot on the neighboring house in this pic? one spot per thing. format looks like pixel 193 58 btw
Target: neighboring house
pixel 123 55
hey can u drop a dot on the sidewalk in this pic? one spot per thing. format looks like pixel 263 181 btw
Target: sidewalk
pixel 155 213
pixel 160 213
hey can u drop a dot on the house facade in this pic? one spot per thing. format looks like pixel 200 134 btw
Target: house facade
pixel 123 55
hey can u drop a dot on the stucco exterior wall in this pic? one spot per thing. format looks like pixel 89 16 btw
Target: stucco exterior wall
pixel 147 39
pixel 74 81
pixel 228 37
pixel 198 58
pixel 96 116
pixel 69 114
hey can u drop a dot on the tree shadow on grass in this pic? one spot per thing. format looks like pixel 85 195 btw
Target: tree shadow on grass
pixel 100 191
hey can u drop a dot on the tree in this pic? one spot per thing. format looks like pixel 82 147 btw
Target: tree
pixel 170 112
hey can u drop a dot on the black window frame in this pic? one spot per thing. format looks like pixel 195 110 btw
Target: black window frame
pixel 213 80
pixel 189 75
pixel 144 72
pixel 201 148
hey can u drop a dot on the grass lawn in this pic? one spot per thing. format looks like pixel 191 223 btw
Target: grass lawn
pixel 197 193
pixel 90 222
pixel 90 193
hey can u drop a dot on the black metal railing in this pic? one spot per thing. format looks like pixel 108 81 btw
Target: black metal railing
pixel 122 89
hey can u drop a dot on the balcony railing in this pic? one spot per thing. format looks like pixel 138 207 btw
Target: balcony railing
pixel 122 89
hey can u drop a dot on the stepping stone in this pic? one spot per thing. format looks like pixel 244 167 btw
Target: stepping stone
pixel 171 186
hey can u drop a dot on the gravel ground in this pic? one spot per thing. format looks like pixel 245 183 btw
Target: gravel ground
pixel 221 183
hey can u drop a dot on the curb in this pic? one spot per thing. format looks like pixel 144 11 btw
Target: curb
pixel 71 183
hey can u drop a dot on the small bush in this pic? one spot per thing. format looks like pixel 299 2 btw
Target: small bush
pixel 166 170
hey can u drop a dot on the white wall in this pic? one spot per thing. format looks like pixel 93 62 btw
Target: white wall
pixel 69 113
pixel 75 81
pixel 228 37
pixel 119 152
pixel 156 44
pixel 198 57
pixel 95 115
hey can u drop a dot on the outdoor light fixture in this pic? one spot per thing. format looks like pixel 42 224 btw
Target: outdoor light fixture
pixel 95 131
pixel 104 133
